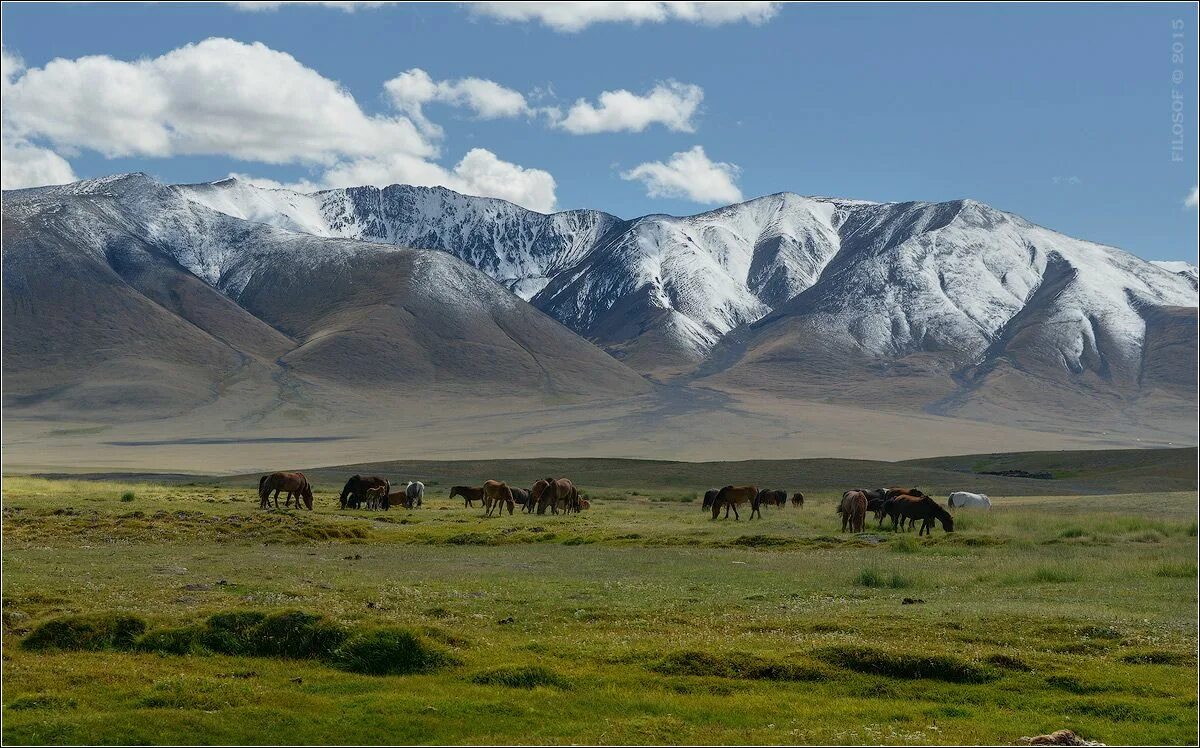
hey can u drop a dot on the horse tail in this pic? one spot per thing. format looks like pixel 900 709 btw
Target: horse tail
pixel 262 487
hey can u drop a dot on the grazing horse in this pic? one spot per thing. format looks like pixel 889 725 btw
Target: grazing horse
pixel 557 493
pixel 709 496
pixel 414 492
pixel 730 496
pixel 496 495
pixel 376 497
pixel 798 499
pixel 520 496
pixel 853 509
pixel 772 498
pixel 915 508
pixel 963 499
pixel 470 494
pixel 295 484
pixel 355 490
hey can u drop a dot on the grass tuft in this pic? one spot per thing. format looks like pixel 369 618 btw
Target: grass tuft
pixel 86 632
pixel 389 651
pixel 128 496
pixel 872 577
pixel 734 665
pixel 896 665
pixel 524 676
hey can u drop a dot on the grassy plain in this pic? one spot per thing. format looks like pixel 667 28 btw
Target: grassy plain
pixel 640 621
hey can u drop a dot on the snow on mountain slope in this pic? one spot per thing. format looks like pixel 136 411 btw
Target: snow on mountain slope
pixel 1186 269
pixel 885 280
pixel 517 247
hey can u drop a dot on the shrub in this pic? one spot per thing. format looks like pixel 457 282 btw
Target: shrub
pixel 128 496
pixel 526 676
pixel 86 632
pixel 734 665
pixel 388 651
pixel 296 634
pixel 871 577
pixel 895 665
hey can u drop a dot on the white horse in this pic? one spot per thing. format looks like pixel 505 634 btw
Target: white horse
pixel 963 499
pixel 415 492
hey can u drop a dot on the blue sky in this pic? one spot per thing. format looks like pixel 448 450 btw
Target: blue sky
pixel 1059 113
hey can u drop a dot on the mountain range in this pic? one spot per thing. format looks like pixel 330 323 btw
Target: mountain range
pixel 125 298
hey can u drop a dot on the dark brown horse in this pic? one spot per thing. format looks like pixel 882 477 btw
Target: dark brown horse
pixel 470 494
pixel 895 491
pixel 709 496
pixel 497 495
pixel 853 509
pixel 558 493
pixel 923 508
pixel 520 496
pixel 730 496
pixel 295 484
pixel 354 493
pixel 772 498
pixel 798 499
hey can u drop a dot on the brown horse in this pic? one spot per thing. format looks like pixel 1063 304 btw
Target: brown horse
pixel 895 491
pixel 376 497
pixel 853 509
pixel 915 508
pixel 470 494
pixel 496 495
pixel 798 499
pixel 295 484
pixel 730 496
pixel 772 498
pixel 558 493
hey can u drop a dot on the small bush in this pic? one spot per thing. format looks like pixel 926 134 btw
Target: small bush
pixel 23 703
pixel 734 665
pixel 128 496
pixel 232 633
pixel 1176 571
pixel 1159 657
pixel 527 676
pixel 86 632
pixel 894 665
pixel 388 651
pixel 1008 662
pixel 1072 532
pixel 296 634
pixel 173 641
pixel 870 577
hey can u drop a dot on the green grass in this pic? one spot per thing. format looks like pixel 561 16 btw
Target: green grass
pixel 190 614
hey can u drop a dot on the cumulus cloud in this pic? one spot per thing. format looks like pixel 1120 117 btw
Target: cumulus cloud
pixel 690 175
pixel 480 172
pixel 249 102
pixel 412 89
pixel 23 164
pixel 1193 198
pixel 671 104
pixel 221 96
pixel 576 16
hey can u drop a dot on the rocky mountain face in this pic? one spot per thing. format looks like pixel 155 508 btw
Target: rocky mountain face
pixel 953 307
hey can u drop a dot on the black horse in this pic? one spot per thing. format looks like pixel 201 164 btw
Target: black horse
pixel 355 491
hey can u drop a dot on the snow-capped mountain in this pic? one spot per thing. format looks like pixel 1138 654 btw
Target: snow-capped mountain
pixel 953 307
pixel 882 279
pixel 121 295
pixel 1186 269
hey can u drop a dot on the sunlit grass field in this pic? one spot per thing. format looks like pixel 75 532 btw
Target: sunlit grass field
pixel 640 621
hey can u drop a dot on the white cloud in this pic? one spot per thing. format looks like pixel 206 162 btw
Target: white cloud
pixel 671 104
pixel 480 172
pixel 26 165
pixel 1193 198
pixel 576 16
pixel 689 175
pixel 300 185
pixel 218 96
pixel 412 89
pixel 249 102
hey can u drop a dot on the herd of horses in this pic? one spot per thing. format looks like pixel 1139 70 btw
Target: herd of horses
pixel 902 505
